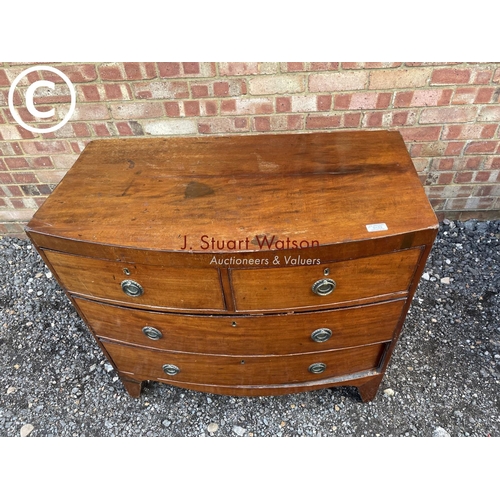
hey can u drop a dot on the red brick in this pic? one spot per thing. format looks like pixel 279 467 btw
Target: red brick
pixel 169 69
pixel 191 68
pixel 400 118
pixel 139 71
pixel 294 66
pixel 228 106
pixel 208 108
pixel 283 104
pixel 111 71
pixel 17 164
pixel 262 123
pixel 172 109
pixel 445 178
pixel 324 66
pixel 481 147
pixel 403 99
pixel 484 176
pixel 199 90
pixel 484 95
pixel 454 148
pixel 342 101
pixel 25 178
pixel 471 163
pixel 45 146
pixel 124 128
pixel 80 129
pixel 446 164
pixel 352 120
pixel 4 79
pixel 319 122
pixel 324 102
pixel 42 162
pixel 463 177
pixel 447 115
pixel 76 73
pixel 482 77
pixel 369 65
pixel 15 190
pixel 241 122
pixel 294 122
pixel 114 91
pixel 101 129
pixel 421 133
pixel 450 76
pixel 192 108
pixel 90 92
pixel 6 178
pixel 373 119
pixel 221 89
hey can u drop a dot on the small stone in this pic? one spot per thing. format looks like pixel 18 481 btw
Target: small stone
pixel 17 367
pixel 337 408
pixel 212 427
pixel 389 392
pixel 445 281
pixel 282 424
pixel 166 423
pixel 426 276
pixel 108 367
pixel 440 432
pixel 48 275
pixel 26 430
pixel 11 390
pixel 38 275
pixel 39 293
pixel 239 430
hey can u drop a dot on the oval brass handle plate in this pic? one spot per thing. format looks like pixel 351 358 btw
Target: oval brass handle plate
pixel 324 286
pixel 152 333
pixel 171 369
pixel 132 288
pixel 321 334
pixel 317 368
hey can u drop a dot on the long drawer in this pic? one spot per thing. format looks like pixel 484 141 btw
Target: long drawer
pixel 139 284
pixel 292 287
pixel 146 364
pixel 270 334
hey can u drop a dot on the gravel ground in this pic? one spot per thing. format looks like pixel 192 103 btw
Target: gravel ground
pixel 443 380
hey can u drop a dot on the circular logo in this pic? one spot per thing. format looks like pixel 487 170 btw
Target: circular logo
pixel 29 99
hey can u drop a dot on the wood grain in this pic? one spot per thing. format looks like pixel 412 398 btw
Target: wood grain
pixel 254 335
pixel 144 364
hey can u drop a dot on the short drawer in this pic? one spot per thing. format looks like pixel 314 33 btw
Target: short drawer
pixel 270 334
pixel 145 364
pixel 292 287
pixel 138 284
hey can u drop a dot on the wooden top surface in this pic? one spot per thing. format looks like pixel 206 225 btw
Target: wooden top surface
pixel 164 193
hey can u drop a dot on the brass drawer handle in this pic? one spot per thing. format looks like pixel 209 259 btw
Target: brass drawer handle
pixel 132 288
pixel 321 334
pixel 324 286
pixel 152 333
pixel 171 369
pixel 317 368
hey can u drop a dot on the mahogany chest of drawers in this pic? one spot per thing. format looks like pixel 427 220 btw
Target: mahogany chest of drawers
pixel 242 265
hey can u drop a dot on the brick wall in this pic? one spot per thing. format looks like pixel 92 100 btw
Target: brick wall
pixel 448 114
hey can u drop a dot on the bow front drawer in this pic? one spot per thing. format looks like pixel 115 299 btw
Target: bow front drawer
pixel 139 284
pixel 319 285
pixel 270 334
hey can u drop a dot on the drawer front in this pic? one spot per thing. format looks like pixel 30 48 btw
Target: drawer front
pixel 148 364
pixel 270 334
pixel 292 287
pixel 163 287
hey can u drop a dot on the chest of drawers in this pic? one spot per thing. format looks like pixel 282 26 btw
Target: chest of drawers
pixel 242 265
